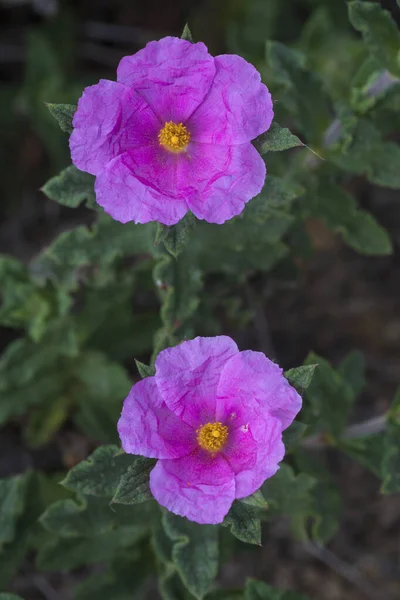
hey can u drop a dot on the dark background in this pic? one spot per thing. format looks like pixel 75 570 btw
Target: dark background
pixel 48 51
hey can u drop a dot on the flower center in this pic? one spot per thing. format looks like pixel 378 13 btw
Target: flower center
pixel 174 137
pixel 213 436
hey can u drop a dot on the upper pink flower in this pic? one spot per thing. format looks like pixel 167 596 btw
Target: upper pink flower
pixel 174 134
pixel 214 417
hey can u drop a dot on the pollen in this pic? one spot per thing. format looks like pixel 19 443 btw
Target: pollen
pixel 174 137
pixel 212 437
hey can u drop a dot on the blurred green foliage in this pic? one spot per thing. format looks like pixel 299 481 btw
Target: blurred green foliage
pixel 101 295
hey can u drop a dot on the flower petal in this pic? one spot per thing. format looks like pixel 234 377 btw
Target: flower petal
pixel 252 384
pixel 188 375
pixel 110 119
pixel 197 486
pixel 149 428
pixel 237 108
pixel 172 75
pixel 241 449
pixel 267 434
pixel 217 181
pixel 127 198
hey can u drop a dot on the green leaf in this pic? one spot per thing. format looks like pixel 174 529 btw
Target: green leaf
pixel 5 596
pixel 187 34
pixel 90 517
pixel 134 487
pixel 25 304
pixel 368 154
pixel 352 369
pixel 276 139
pixel 256 500
pixel 195 552
pixel 73 250
pixel 293 434
pixel 300 377
pixel 46 420
pixel 339 211
pixel 391 453
pixel 70 188
pixel 102 386
pixel 64 114
pixel 290 495
pixel 145 370
pixel 177 236
pixel 123 580
pixel 367 450
pixel 100 474
pixel 326 498
pixel 12 497
pixel 71 553
pixel 328 398
pixel 258 590
pixel 300 85
pixel 379 31
pixel 244 523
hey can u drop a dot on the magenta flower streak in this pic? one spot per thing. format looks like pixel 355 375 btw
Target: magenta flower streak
pixel 214 417
pixel 174 134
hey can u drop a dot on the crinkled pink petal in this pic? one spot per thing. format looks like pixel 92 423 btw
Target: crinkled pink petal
pixel 126 198
pixel 217 181
pixel 172 75
pixel 251 384
pixel 188 375
pixel 241 449
pixel 237 108
pixel 110 119
pixel 149 428
pixel 267 434
pixel 198 486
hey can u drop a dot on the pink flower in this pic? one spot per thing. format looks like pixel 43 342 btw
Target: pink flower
pixel 214 417
pixel 174 134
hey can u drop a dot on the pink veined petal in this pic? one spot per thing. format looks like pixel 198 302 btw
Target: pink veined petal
pixel 217 181
pixel 127 198
pixel 252 384
pixel 172 75
pixel 237 108
pixel 188 375
pixel 198 487
pixel 267 434
pixel 110 119
pixel 149 428
pixel 241 449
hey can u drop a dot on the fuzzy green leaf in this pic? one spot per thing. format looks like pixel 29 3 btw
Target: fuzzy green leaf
pixel 195 552
pixel 379 31
pixel 329 398
pixel 177 236
pixel 293 434
pixel 64 113
pixel 276 139
pixel 100 474
pixel 145 370
pixel 134 487
pixel 70 188
pixel 300 377
pixel 256 500
pixel 12 496
pixel 258 590
pixel 187 34
pixel 338 209
pixel 290 495
pixel 244 523
pixel 5 596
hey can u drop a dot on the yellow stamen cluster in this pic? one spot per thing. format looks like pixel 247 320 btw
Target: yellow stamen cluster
pixel 212 437
pixel 174 137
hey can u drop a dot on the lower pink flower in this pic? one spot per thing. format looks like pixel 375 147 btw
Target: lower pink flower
pixel 214 417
